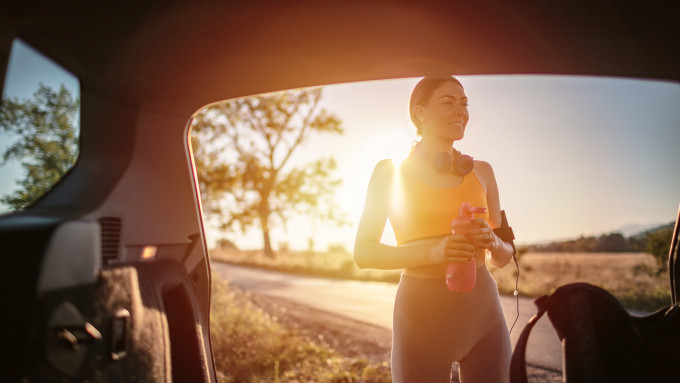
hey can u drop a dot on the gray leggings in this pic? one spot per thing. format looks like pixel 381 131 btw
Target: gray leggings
pixel 434 327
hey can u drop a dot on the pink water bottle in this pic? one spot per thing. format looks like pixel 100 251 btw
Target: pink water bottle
pixel 461 276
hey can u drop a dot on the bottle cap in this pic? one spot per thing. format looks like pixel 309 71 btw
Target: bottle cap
pixel 467 210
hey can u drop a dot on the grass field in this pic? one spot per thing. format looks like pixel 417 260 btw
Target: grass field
pixel 631 277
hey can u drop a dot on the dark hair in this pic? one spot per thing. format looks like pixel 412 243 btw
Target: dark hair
pixel 423 92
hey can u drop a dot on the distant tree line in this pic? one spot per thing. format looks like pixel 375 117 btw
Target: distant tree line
pixel 606 243
pixel 609 243
pixel 655 242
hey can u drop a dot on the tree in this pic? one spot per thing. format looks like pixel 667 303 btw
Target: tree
pixel 242 151
pixel 46 144
pixel 659 245
pixel 612 243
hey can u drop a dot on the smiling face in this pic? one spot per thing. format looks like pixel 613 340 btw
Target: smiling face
pixel 445 115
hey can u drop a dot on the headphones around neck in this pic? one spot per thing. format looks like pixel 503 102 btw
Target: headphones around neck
pixel 442 162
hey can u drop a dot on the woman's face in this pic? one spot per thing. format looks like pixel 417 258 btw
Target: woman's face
pixel 446 114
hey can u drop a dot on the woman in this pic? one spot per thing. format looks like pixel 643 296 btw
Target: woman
pixel 433 326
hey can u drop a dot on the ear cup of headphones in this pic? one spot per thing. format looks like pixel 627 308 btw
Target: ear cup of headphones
pixel 463 164
pixel 442 162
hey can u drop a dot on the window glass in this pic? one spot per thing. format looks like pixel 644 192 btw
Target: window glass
pixel 39 126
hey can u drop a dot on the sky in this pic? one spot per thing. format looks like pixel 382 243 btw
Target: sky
pixel 572 155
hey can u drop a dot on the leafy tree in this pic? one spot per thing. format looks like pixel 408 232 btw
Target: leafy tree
pixel 46 142
pixel 659 245
pixel 242 152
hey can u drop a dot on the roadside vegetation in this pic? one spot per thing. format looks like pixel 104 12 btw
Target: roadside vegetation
pixel 656 241
pixel 249 345
pixel 633 278
pixel 335 263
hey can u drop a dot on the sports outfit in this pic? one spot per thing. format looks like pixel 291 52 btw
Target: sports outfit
pixel 433 326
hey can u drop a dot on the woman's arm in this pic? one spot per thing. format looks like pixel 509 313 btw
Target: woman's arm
pixel 370 253
pixel 501 251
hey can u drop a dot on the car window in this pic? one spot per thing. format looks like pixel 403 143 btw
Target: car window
pixel 39 126
pixel 585 168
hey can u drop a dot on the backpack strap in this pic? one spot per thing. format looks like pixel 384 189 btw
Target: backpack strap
pixel 518 370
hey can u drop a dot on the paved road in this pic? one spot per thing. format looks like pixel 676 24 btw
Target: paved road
pixel 373 302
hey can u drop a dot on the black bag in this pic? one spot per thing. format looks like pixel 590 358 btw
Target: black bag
pixel 601 342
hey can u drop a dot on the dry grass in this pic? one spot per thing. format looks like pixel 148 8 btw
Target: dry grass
pixel 249 345
pixel 630 277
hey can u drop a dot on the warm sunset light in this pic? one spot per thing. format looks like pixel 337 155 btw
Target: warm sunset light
pixel 337 191
pixel 572 155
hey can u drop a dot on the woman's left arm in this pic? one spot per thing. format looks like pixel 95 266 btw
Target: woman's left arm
pixel 484 237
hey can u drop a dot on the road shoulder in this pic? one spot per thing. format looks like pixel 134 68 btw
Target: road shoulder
pixel 350 337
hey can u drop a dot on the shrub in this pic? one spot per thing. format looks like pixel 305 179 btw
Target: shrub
pixel 659 245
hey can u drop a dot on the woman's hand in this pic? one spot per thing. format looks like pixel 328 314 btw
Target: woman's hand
pixel 484 237
pixel 452 248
